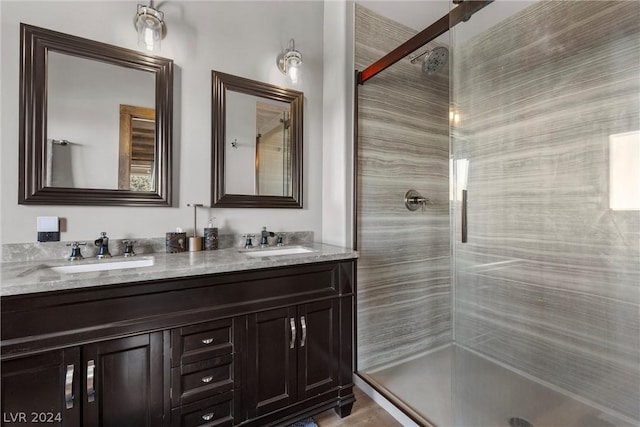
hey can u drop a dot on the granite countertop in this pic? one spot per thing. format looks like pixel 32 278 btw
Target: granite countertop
pixel 30 277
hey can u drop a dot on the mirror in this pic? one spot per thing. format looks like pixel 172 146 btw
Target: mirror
pixel 257 144
pixel 95 124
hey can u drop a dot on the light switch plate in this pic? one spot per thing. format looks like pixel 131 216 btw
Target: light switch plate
pixel 48 223
pixel 48 228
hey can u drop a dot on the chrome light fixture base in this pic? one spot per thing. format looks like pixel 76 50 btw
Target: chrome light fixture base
pixel 149 23
pixel 289 62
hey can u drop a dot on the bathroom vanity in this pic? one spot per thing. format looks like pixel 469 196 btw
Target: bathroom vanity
pixel 214 338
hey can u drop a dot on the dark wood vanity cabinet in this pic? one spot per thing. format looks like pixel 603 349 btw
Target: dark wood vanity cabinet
pixel 205 373
pixel 122 382
pixel 292 355
pixel 256 348
pixel 271 361
pixel 33 389
pixel 110 383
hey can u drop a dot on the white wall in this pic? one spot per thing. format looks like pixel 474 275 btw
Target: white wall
pixel 337 195
pixel 236 37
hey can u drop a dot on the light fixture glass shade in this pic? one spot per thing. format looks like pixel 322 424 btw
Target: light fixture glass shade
pixel 289 63
pixel 150 27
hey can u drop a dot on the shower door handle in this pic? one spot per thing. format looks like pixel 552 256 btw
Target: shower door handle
pixel 463 220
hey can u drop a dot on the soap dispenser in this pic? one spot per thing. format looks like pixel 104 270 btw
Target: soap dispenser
pixel 211 236
pixel 195 242
pixel 176 241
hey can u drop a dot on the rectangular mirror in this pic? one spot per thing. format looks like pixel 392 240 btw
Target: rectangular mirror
pixel 95 123
pixel 257 144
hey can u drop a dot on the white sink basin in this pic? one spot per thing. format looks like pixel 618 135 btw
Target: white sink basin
pixel 105 265
pixel 278 251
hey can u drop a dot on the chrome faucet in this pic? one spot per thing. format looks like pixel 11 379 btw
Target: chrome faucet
pixel 264 240
pixel 128 248
pixel 75 251
pixel 247 243
pixel 103 246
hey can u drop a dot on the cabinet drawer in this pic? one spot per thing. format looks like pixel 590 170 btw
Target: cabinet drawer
pixel 196 381
pixel 202 341
pixel 216 411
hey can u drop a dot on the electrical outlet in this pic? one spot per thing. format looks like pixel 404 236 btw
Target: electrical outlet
pixel 48 236
pixel 48 228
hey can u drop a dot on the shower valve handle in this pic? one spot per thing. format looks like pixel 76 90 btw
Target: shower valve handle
pixel 414 200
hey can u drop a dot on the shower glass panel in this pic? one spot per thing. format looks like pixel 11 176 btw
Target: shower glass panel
pixel 404 266
pixel 535 318
pixel 546 288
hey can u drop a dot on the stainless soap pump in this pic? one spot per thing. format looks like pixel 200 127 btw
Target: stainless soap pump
pixel 195 242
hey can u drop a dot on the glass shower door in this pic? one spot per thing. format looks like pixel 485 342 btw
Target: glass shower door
pixel 545 130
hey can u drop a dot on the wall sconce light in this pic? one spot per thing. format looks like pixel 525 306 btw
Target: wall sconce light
pixel 149 23
pixel 289 62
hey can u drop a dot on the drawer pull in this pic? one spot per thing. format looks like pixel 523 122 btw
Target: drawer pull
pixel 207 379
pixel 207 341
pixel 208 416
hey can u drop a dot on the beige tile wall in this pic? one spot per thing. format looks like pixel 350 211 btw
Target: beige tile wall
pixel 404 285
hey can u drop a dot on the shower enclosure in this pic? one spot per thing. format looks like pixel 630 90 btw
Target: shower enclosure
pixel 530 136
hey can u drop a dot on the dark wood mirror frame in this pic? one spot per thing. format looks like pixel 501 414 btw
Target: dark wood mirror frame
pixel 35 44
pixel 222 82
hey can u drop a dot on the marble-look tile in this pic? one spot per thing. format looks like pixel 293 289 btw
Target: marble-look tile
pixel 404 284
pixel 19 278
pixel 36 251
pixel 288 238
pixel 549 281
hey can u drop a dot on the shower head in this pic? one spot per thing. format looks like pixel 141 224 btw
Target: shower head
pixel 433 59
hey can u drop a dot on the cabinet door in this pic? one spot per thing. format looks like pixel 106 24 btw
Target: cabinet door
pixel 271 360
pixel 42 389
pixel 319 346
pixel 123 382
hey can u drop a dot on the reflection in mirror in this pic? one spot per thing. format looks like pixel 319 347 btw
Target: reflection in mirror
pixel 95 122
pixel 258 161
pixel 136 170
pixel 83 105
pixel 273 150
pixel 257 143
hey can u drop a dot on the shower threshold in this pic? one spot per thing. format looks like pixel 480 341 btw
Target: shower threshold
pixel 454 387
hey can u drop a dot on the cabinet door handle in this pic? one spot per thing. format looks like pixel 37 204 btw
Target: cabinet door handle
pixel 303 322
pixel 207 379
pixel 208 416
pixel 68 387
pixel 292 343
pixel 91 392
pixel 207 341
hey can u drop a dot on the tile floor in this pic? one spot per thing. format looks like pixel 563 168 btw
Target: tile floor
pixel 365 413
